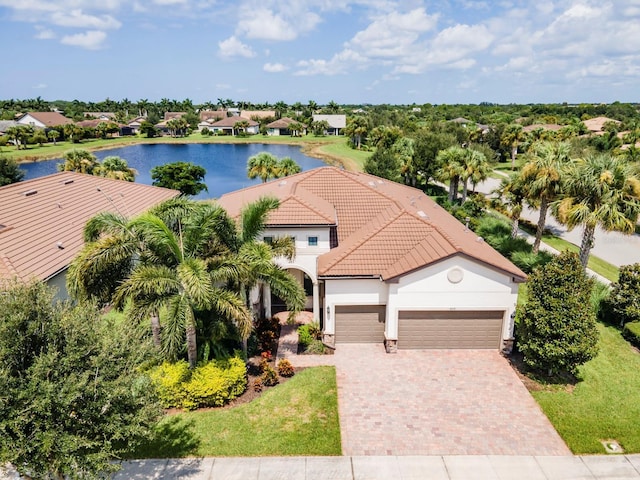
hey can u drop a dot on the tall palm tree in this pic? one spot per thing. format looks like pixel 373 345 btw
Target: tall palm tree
pixel 263 165
pixel 288 166
pixel 475 167
pixel 543 176
pixel 175 260
pixel 451 161
pixel 513 192
pixel 116 168
pixel 512 135
pixel 599 190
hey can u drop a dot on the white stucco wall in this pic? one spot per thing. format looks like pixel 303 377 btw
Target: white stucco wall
pixel 306 257
pixel 351 292
pixel 481 288
pixel 29 120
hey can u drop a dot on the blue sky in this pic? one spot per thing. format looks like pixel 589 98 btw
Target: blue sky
pixel 366 51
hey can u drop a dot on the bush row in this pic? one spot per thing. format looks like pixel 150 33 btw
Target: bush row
pixel 210 385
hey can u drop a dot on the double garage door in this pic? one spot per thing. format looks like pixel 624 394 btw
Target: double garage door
pixel 450 329
pixel 421 329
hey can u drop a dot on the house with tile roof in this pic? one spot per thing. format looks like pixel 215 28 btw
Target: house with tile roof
pixel 383 263
pixel 227 125
pixel 44 119
pixel 42 220
pixel 337 123
pixel 281 127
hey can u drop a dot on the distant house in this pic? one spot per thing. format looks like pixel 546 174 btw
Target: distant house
pixel 257 114
pixel 135 124
pixel 461 121
pixel 6 125
pixel 336 123
pixel 212 115
pixel 281 127
pixel 228 125
pixel 51 213
pixel 44 119
pixel 596 124
pixel 170 115
pixel 93 123
pixel 100 115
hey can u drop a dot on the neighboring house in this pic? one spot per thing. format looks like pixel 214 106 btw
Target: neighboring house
pixel 42 220
pixel 214 115
pixel 228 125
pixel 170 115
pixel 258 114
pixel 382 262
pixel 281 127
pixel 93 123
pixel 336 123
pixel 6 125
pixel 100 115
pixel 135 124
pixel 44 119
pixel 596 125
pixel 461 121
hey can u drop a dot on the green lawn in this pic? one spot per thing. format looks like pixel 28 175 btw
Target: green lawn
pixel 351 158
pixel 601 267
pixel 299 417
pixel 604 405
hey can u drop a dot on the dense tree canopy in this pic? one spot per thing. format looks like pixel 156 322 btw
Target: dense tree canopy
pixel 72 395
pixel 10 172
pixel 183 176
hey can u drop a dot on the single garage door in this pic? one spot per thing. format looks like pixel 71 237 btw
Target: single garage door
pixel 449 329
pixel 360 323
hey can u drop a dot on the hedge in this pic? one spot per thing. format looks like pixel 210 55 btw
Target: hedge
pixel 210 385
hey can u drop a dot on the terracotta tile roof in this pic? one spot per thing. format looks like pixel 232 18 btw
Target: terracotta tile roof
pixel 212 114
pixel 596 124
pixel 40 214
pixel 385 229
pixel 231 122
pixel 50 119
pixel 284 122
pixel 170 115
pixel 251 114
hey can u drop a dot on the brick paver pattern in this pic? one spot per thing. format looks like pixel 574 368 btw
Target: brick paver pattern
pixel 434 402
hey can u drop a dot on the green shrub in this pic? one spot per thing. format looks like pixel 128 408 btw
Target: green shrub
pixel 316 347
pixel 631 332
pixel 529 261
pixel 210 385
pixel 624 301
pixel 285 369
pixel 306 334
pixel 599 300
pixel 169 379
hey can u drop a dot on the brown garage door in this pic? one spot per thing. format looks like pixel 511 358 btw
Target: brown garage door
pixel 360 323
pixel 448 329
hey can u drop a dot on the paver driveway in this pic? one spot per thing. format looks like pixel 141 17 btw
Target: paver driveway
pixel 437 402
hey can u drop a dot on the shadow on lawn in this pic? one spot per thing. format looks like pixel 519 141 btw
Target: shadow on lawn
pixel 536 381
pixel 173 438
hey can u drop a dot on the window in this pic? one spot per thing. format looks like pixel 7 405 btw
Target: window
pixel 268 240
pixel 312 241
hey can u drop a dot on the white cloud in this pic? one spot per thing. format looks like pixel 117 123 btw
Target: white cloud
pixel 44 33
pixel 265 24
pixel 232 47
pixel 78 19
pixel 274 67
pixel 91 40
pixel 40 86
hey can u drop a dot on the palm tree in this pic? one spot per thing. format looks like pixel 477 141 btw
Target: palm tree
pixel 288 166
pixel 241 125
pixel 599 190
pixel 451 169
pixel 357 128
pixel 116 168
pixel 78 160
pixel 513 192
pixel 543 176
pixel 53 135
pixel 263 165
pixel 173 260
pixel 512 135
pixel 475 167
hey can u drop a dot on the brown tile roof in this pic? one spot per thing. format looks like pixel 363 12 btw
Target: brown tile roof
pixel 251 114
pixel 40 214
pixel 231 122
pixel 596 124
pixel 284 122
pixel 385 229
pixel 50 119
pixel 209 114
pixel 170 115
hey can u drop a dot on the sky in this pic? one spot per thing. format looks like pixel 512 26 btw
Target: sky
pixel 350 52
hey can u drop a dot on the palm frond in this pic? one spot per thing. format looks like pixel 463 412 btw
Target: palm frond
pixel 104 223
pixel 254 216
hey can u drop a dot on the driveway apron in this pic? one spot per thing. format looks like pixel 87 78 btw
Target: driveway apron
pixel 437 402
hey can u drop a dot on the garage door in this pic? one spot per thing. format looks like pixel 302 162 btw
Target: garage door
pixel 426 329
pixel 360 324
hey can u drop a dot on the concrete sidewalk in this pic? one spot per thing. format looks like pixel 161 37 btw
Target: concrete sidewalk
pixel 597 467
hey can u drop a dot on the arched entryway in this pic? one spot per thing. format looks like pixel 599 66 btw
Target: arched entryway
pixel 311 289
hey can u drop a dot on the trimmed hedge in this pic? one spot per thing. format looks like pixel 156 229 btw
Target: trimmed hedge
pixel 210 385
pixel 631 332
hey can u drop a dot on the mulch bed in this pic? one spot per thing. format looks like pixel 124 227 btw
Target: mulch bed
pixel 530 379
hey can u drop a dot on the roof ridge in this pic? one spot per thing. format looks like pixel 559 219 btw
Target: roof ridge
pixel 363 240
pixel 311 207
pixel 260 185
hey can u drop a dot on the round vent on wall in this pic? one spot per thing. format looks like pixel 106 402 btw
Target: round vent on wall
pixel 455 275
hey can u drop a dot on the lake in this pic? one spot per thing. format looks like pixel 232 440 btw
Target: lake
pixel 226 164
